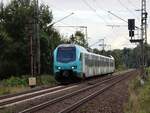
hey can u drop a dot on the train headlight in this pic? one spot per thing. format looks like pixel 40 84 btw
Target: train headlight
pixel 74 67
pixel 58 67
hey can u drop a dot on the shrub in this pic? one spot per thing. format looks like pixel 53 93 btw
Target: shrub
pixel 139 99
pixel 16 81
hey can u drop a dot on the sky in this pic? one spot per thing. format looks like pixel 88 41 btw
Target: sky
pixel 94 15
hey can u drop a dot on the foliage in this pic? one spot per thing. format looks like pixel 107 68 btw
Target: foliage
pixel 13 85
pixel 127 58
pixel 15 22
pixel 47 80
pixel 139 100
pixel 79 38
pixel 19 84
pixel 16 81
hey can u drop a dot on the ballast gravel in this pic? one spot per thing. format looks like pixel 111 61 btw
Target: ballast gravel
pixel 110 101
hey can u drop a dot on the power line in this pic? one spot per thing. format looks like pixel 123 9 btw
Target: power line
pixel 101 8
pixel 127 9
pixel 111 19
pixel 132 4
pixel 51 24
pixel 94 10
pixel 121 18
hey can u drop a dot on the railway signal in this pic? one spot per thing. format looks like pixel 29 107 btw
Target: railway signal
pixel 131 24
pixel 131 33
pixel 131 27
pixel 143 38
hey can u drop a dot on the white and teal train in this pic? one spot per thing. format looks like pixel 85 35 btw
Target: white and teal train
pixel 73 62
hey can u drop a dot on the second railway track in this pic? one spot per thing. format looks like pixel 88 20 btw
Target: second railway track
pixel 6 102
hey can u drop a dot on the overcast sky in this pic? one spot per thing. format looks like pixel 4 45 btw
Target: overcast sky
pixel 94 14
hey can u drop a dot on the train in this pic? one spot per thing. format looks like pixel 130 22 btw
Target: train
pixel 73 63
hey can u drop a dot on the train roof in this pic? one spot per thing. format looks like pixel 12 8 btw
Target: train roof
pixel 110 57
pixel 74 45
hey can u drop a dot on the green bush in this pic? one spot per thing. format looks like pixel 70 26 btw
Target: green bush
pixel 23 81
pixel 121 68
pixel 19 84
pixel 148 70
pixel 16 81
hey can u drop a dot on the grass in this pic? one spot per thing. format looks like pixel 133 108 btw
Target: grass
pixel 121 68
pixel 19 84
pixel 139 100
pixel 11 90
pixel 46 80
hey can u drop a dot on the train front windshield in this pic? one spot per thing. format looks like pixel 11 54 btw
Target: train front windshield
pixel 66 54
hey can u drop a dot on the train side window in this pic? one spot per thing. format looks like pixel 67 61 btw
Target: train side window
pixel 101 62
pixel 81 56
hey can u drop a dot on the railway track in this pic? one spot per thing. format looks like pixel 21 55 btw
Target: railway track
pixel 25 100
pixel 70 101
pixel 13 99
pixel 16 99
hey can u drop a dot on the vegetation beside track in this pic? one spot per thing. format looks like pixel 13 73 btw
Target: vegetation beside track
pixel 139 99
pixel 121 68
pixel 19 84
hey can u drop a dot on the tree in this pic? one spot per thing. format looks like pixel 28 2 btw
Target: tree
pixel 16 22
pixel 79 38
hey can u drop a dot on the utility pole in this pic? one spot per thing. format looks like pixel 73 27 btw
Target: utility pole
pixel 36 40
pixel 103 45
pixel 31 54
pixel 29 27
pixel 143 33
pixel 144 21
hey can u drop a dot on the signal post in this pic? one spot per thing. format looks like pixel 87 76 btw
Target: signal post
pixel 143 39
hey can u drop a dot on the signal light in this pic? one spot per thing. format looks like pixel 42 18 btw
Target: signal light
pixel 131 24
pixel 131 33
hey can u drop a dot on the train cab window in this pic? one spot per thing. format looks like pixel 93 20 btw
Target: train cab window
pixel 66 54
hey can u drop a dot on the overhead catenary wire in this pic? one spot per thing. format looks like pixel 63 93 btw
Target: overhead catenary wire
pixel 128 9
pixel 94 10
pixel 60 21
pixel 121 18
pixel 112 31
pixel 101 8
pixel 75 27
pixel 107 12
pixel 148 5
pixel 131 3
